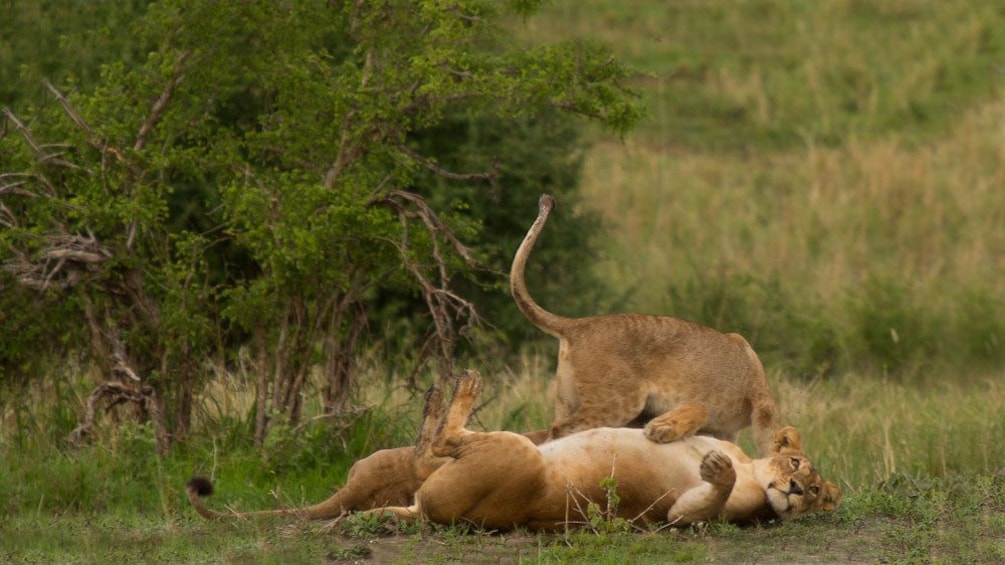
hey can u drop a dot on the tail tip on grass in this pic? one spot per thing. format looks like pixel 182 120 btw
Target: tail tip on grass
pixel 200 485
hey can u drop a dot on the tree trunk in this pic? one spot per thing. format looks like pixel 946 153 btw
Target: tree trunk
pixel 262 390
pixel 340 361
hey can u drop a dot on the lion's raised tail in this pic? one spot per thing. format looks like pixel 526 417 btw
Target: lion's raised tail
pixel 550 323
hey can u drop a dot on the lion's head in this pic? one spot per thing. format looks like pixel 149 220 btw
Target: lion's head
pixel 794 486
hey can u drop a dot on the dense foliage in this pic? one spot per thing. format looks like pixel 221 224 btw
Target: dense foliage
pixel 293 181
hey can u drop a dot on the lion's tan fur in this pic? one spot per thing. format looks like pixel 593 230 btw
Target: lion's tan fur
pixel 502 480
pixel 619 369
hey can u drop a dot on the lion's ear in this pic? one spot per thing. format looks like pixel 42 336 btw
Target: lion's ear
pixel 831 496
pixel 787 441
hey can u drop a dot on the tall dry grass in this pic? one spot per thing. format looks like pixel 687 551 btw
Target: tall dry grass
pixel 861 430
pixel 841 233
pixel 858 429
pixel 825 217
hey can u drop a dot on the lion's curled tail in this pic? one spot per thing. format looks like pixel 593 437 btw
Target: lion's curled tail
pixel 550 323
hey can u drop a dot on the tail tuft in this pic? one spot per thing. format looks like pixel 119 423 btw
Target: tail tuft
pixel 200 485
pixel 546 202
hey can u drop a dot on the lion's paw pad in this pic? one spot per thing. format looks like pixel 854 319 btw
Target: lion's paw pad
pixel 468 384
pixel 717 468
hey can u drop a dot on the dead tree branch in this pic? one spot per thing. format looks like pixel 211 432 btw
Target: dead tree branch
pixel 432 166
pixel 399 201
pixel 347 150
pixel 63 263
pixel 23 130
pixel 162 101
pixel 145 397
pixel 91 137
pixel 445 306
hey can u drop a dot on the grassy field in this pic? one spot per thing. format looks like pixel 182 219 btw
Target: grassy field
pixel 824 177
pixel 920 468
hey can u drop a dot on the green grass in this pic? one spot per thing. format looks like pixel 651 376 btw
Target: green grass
pixel 904 520
pixel 919 466
pixel 142 538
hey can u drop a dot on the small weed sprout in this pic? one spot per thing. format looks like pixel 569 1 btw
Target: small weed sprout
pixel 606 520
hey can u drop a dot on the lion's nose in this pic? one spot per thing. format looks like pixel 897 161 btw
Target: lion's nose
pixel 794 487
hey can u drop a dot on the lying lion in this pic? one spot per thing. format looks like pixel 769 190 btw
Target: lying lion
pixel 502 480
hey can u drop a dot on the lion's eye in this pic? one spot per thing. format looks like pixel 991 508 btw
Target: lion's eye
pixel 794 462
pixel 814 490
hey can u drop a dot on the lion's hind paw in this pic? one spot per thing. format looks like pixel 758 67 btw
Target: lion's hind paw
pixel 468 385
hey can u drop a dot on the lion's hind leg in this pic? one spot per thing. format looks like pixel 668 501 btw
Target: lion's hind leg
pixel 432 417
pixel 466 390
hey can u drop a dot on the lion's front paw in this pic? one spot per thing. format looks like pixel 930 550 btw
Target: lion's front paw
pixel 717 468
pixel 663 432
pixel 683 421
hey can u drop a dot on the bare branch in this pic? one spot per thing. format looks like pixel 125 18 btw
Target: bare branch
pixel 74 255
pixel 440 171
pixel 23 130
pixel 344 155
pixel 346 419
pixel 347 151
pixel 66 259
pixel 116 393
pixel 91 137
pixel 445 306
pixel 158 108
pixel 394 199
pixel 121 365
pixel 78 248
pixel 470 19
pixel 54 159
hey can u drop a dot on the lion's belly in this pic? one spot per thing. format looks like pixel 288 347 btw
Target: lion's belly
pixel 648 476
